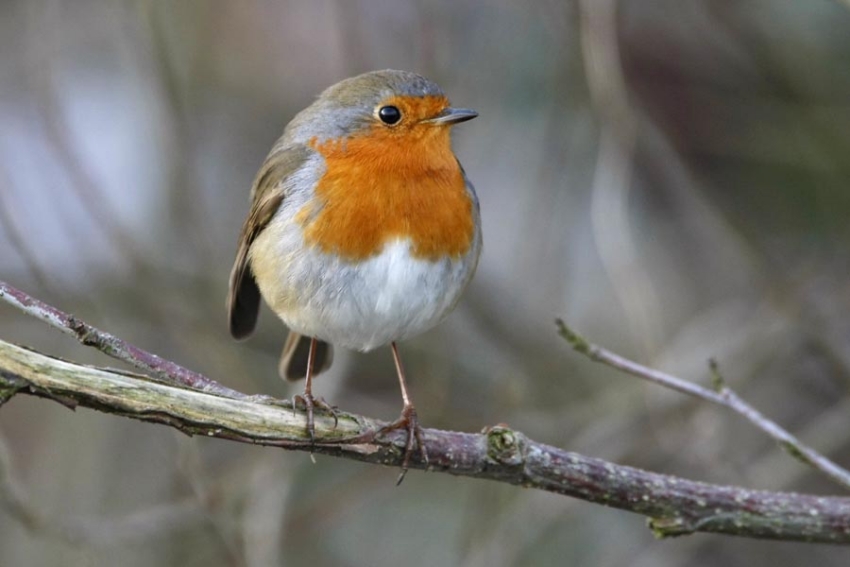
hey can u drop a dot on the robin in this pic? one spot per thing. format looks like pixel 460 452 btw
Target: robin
pixel 363 229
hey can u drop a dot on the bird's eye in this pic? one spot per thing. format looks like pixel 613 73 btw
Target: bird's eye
pixel 389 114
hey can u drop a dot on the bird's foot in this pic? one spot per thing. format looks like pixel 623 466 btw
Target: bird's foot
pixel 409 421
pixel 310 403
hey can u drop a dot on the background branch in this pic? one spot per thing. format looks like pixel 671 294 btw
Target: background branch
pixel 722 396
pixel 675 506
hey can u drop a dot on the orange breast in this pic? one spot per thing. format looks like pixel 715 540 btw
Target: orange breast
pixel 386 184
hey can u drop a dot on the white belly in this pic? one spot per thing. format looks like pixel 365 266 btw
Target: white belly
pixel 389 297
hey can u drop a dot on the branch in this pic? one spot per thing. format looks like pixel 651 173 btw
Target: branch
pixel 721 395
pixel 675 506
pixel 111 345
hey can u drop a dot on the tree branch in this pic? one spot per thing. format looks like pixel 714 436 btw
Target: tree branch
pixel 197 405
pixel 109 344
pixel 721 395
pixel 675 506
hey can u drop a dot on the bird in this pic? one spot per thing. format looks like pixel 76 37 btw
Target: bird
pixel 363 230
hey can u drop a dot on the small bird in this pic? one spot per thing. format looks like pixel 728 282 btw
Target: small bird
pixel 363 229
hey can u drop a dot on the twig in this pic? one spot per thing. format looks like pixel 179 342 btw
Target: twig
pixel 111 345
pixel 675 506
pixel 721 395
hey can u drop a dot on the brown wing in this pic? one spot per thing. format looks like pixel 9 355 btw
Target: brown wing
pixel 268 192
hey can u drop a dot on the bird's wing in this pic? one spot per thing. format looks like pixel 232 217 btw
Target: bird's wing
pixel 267 194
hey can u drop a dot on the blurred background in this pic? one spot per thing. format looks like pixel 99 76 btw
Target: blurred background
pixel 672 178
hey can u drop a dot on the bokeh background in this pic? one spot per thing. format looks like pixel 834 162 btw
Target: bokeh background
pixel 672 178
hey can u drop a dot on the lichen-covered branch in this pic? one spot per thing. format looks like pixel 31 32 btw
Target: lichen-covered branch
pixel 722 395
pixel 675 506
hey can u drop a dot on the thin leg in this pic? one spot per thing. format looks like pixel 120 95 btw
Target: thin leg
pixel 308 390
pixel 408 420
pixel 400 371
pixel 311 402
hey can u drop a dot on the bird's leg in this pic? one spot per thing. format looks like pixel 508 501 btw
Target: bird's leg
pixel 407 420
pixel 311 402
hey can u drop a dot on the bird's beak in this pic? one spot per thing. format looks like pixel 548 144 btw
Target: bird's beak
pixel 453 116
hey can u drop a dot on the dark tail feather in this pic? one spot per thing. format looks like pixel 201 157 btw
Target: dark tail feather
pixel 293 359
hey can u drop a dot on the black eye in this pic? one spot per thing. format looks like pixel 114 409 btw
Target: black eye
pixel 389 114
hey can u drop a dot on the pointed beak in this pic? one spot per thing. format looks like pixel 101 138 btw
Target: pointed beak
pixel 453 116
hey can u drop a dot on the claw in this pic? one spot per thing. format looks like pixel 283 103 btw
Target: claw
pixel 409 421
pixel 310 402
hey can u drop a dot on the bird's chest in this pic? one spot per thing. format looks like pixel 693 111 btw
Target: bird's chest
pixel 367 198
pixel 380 250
